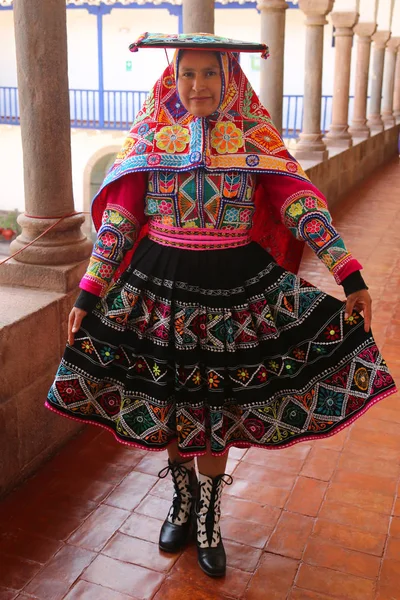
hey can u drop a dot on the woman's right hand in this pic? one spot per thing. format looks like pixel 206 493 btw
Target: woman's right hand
pixel 75 319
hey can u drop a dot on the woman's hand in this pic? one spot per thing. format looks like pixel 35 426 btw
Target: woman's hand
pixel 75 319
pixel 361 302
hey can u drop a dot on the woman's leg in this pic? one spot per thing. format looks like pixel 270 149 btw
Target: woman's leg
pixel 211 465
pixel 174 456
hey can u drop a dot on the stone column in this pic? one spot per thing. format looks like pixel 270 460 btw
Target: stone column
pixel 310 144
pixel 380 39
pixel 41 48
pixel 396 94
pixel 359 127
pixel 198 16
pixel 388 82
pixel 273 19
pixel 338 134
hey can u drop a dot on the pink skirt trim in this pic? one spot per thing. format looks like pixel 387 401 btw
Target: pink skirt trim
pixel 233 444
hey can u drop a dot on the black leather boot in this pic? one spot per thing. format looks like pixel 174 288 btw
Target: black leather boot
pixel 210 549
pixel 179 526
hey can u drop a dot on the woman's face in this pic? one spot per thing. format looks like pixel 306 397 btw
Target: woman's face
pixel 199 82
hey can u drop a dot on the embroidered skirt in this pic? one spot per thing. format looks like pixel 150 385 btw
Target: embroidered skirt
pixel 220 348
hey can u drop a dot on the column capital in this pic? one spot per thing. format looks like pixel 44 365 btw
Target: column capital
pixel 365 31
pixel 394 43
pixel 380 39
pixel 272 5
pixel 316 10
pixel 344 22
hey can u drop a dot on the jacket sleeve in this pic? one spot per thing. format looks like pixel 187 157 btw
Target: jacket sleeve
pixel 304 211
pixel 122 220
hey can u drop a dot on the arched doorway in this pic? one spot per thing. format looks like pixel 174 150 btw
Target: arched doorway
pixel 97 174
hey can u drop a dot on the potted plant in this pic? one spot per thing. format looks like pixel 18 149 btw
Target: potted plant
pixel 9 227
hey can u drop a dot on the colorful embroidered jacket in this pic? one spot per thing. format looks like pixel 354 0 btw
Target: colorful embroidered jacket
pixel 199 199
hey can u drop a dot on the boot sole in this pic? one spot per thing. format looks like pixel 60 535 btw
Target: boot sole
pixel 171 550
pixel 210 574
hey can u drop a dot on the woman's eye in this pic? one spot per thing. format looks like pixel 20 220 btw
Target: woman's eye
pixel 188 74
pixel 211 73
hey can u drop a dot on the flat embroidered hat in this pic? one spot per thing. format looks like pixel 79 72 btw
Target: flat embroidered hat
pixel 196 41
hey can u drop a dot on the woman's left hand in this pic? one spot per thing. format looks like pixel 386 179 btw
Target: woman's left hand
pixel 361 302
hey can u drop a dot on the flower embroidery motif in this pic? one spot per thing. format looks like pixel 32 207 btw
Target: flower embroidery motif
pixel 313 226
pixel 243 374
pixel 352 319
pixel 156 370
pixel 332 332
pixel 295 209
pixel 107 353
pixel 273 365
pixel 299 354
pixel 87 347
pixel 197 378
pixel 180 325
pixel 262 375
pixel 126 148
pixel 226 138
pixel 310 202
pixel 213 380
pixel 172 139
pixel 165 208
pixel 140 366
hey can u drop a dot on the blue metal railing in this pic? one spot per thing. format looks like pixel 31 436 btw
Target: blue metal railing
pixel 9 108
pixel 119 107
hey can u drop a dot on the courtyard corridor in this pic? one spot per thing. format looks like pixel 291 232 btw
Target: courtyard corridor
pixel 317 521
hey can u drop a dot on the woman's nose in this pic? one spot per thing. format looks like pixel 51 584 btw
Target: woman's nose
pixel 198 83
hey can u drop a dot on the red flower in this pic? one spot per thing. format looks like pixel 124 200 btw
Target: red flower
pixel 332 332
pixel 70 391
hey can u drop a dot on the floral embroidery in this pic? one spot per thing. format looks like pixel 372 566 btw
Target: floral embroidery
pixel 107 353
pixel 87 347
pixel 332 332
pixel 352 319
pixel 213 380
pixel 172 139
pixel 243 374
pixel 295 209
pixel 226 137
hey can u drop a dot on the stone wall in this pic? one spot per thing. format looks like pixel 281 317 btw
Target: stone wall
pixel 345 169
pixel 33 332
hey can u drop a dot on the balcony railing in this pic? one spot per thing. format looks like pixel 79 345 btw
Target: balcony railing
pixel 116 109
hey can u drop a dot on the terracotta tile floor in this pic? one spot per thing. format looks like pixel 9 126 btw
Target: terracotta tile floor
pixel 316 521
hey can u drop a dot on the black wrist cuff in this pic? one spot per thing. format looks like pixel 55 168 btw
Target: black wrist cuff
pixel 353 283
pixel 86 301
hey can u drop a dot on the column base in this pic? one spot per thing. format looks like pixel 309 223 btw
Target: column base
pixel 54 278
pixel 375 123
pixel 388 120
pixel 359 130
pixel 62 245
pixel 338 136
pixel 308 154
pixel 311 147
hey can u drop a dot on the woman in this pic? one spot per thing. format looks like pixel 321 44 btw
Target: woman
pixel 203 342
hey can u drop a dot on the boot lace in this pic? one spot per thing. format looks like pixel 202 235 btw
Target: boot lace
pixel 177 469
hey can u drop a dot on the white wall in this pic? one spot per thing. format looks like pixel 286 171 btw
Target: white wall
pixel 8 64
pixel 82 49
pixel 122 27
pixel 11 168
